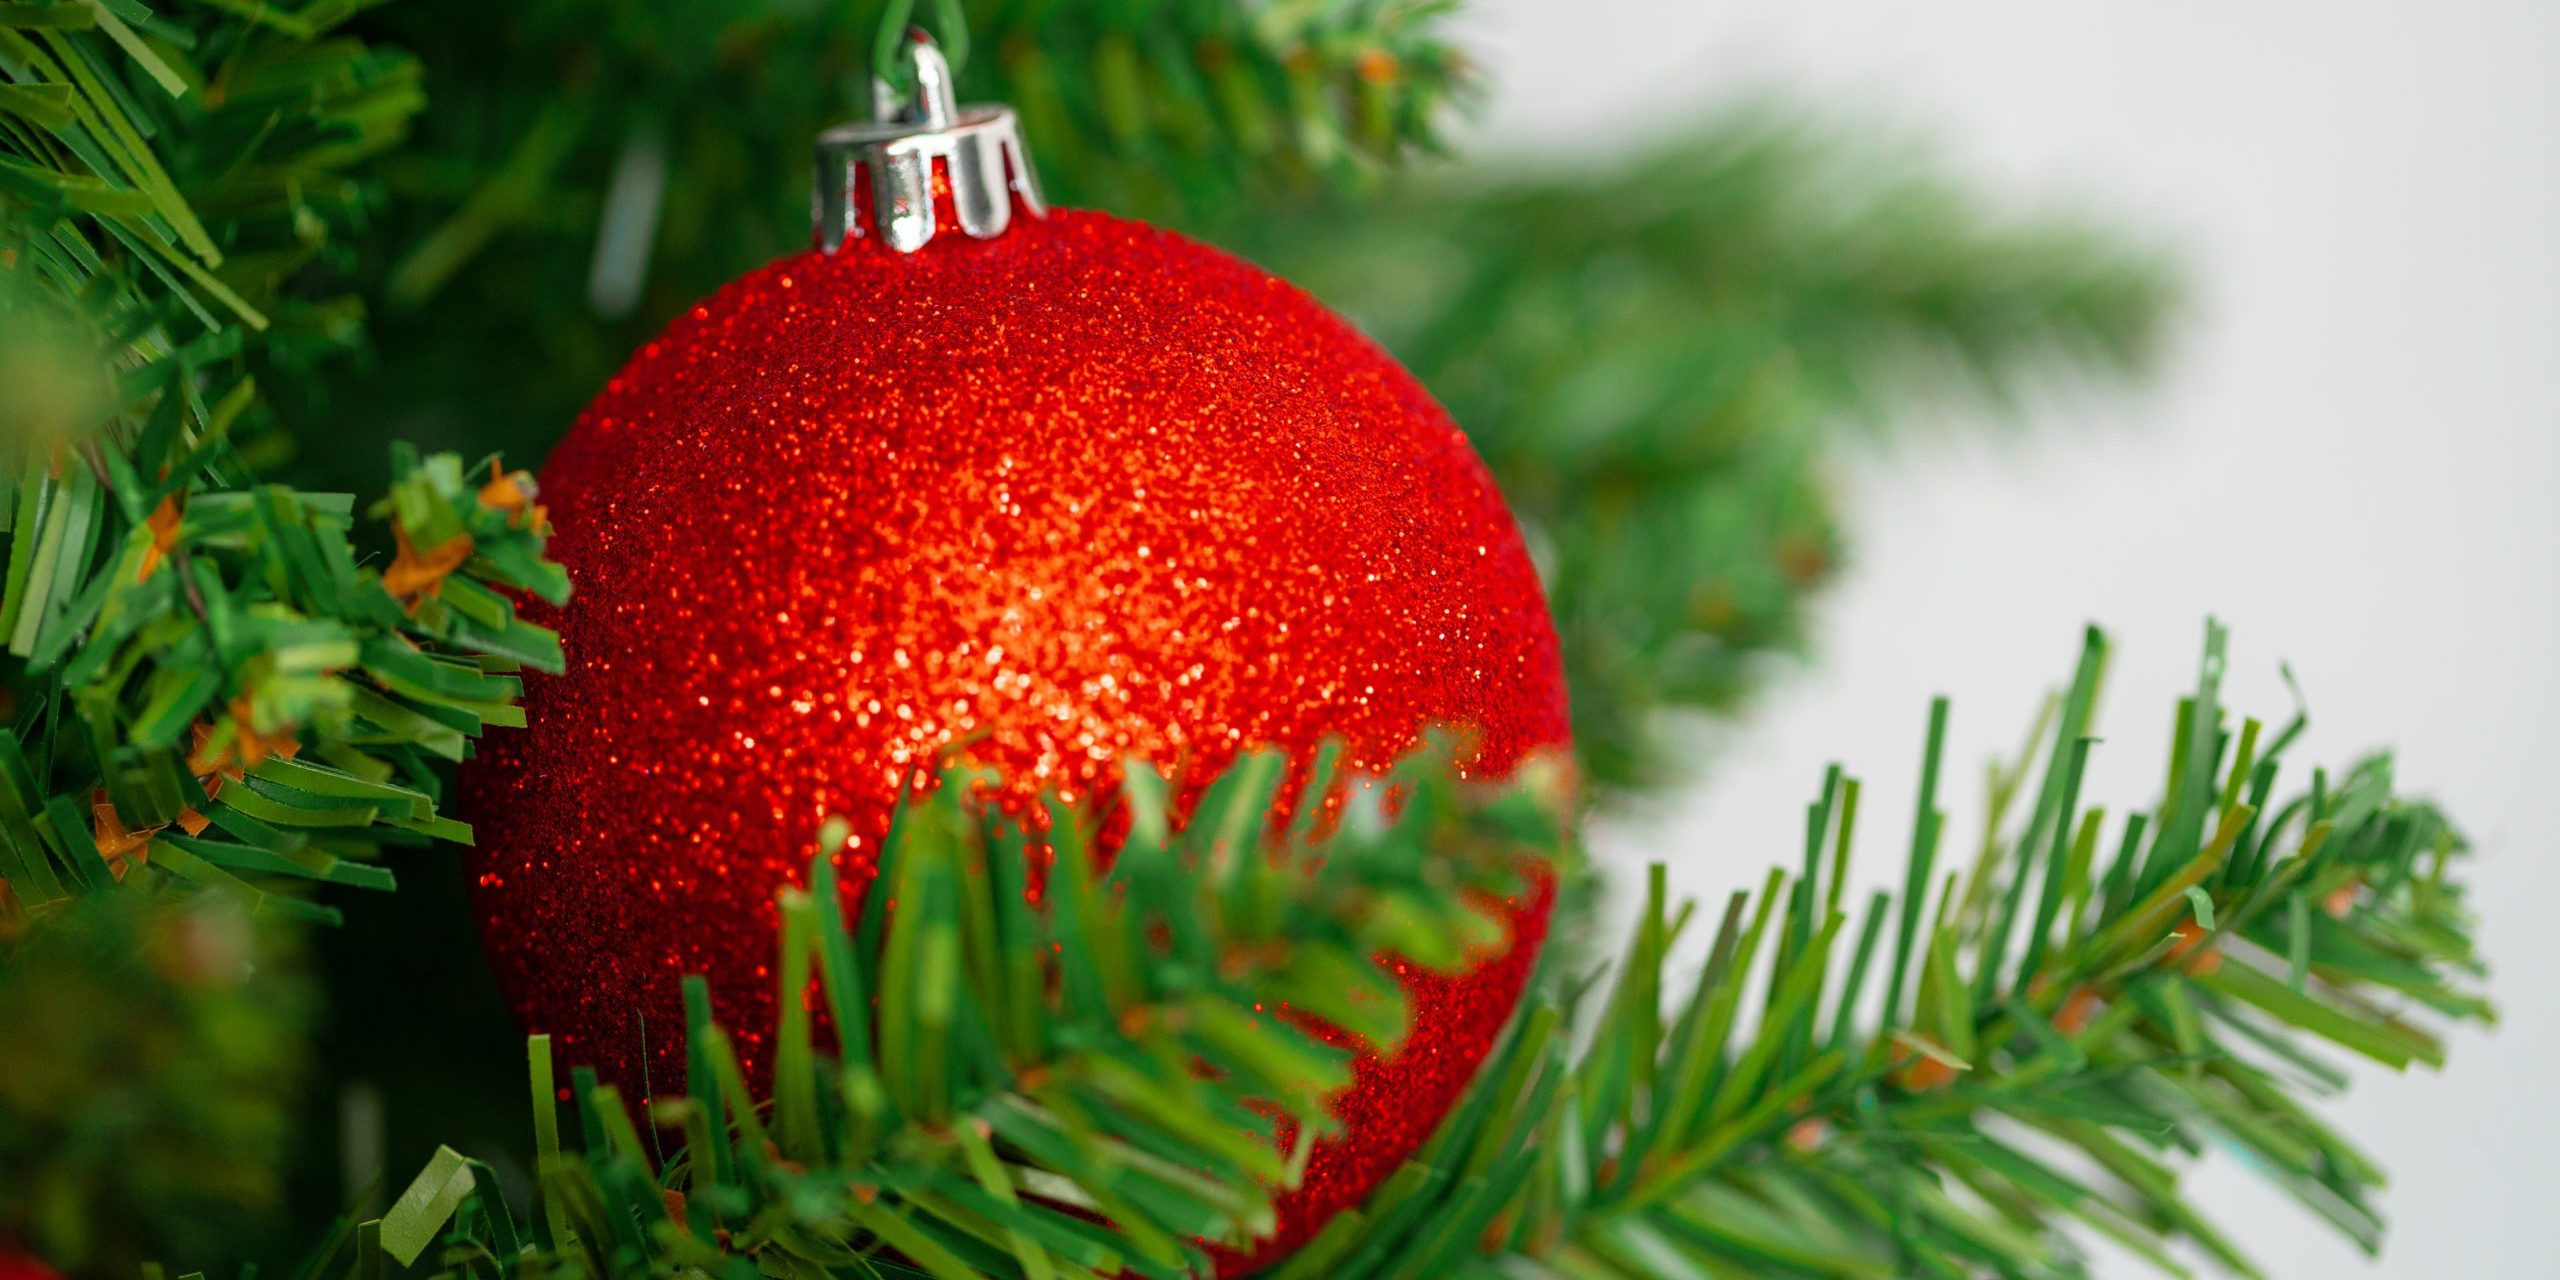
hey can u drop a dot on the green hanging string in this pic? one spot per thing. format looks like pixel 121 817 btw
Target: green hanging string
pixel 889 63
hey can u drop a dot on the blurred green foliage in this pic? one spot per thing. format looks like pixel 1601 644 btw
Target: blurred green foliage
pixel 154 1055
pixel 1659 355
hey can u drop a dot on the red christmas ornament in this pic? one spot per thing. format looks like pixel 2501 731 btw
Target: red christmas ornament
pixel 1064 489
pixel 19 1266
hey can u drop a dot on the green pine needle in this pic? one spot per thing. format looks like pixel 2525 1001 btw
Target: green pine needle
pixel 2049 1083
pixel 205 683
pixel 1085 1086
pixel 255 710
pixel 1098 1110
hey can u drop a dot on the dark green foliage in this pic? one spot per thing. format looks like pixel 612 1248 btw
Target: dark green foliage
pixel 587 171
pixel 1660 357
pixel 152 1056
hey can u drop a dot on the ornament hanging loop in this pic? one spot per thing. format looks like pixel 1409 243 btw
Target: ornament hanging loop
pixel 889 57
pixel 929 101
pixel 883 178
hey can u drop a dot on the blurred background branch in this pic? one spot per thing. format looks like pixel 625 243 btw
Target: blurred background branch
pixel 1658 354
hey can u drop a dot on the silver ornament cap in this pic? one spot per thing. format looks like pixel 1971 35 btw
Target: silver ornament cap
pixel 887 164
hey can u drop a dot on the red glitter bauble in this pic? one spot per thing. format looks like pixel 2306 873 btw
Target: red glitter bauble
pixel 19 1266
pixel 1084 491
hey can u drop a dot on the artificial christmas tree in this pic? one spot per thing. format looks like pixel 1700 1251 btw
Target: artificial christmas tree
pixel 229 695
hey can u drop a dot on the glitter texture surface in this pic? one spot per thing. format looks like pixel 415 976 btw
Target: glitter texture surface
pixel 1085 491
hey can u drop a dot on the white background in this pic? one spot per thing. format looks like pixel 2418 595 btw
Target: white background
pixel 2349 459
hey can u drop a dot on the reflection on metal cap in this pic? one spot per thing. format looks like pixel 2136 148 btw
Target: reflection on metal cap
pixel 979 149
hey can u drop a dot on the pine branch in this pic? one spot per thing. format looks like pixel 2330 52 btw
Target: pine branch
pixel 176 180
pixel 1659 358
pixel 1079 1086
pixel 1085 1085
pixel 176 639
pixel 1972 1076
pixel 214 693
